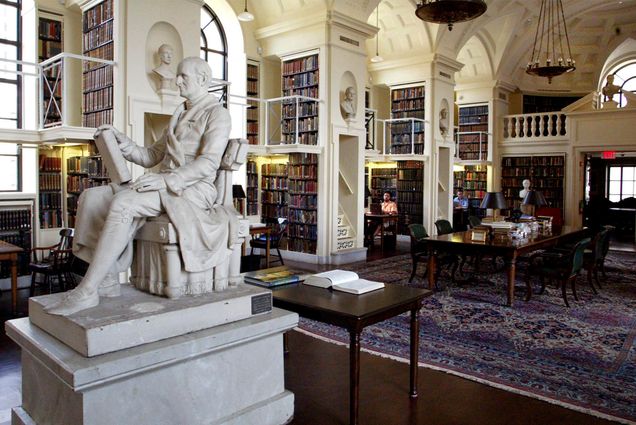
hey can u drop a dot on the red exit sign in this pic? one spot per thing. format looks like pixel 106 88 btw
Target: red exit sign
pixel 608 154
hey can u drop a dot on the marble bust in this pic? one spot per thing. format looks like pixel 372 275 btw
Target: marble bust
pixel 188 157
pixel 348 105
pixel 164 72
pixel 526 187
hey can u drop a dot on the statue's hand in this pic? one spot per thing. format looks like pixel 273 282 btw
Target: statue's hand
pixel 149 182
pixel 102 128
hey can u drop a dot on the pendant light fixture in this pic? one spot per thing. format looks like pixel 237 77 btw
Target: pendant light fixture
pixel 549 59
pixel 377 57
pixel 245 16
pixel 450 11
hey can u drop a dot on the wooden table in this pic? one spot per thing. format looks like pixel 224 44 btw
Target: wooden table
pixel 382 220
pixel 510 250
pixel 619 213
pixel 10 252
pixel 261 229
pixel 354 313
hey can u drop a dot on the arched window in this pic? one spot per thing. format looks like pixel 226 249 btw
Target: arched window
pixel 625 78
pixel 10 48
pixel 214 48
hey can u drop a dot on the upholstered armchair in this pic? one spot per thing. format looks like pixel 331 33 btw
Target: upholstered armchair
pixel 157 266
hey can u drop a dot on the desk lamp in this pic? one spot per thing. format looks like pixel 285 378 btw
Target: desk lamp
pixel 534 198
pixel 239 195
pixel 494 201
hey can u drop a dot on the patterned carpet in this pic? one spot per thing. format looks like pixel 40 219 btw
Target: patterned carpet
pixel 583 357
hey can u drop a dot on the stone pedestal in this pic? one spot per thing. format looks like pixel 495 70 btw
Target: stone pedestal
pixel 227 374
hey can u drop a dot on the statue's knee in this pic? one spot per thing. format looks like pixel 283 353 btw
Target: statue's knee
pixel 121 207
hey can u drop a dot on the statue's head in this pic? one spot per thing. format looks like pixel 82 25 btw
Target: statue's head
pixel 350 93
pixel 165 53
pixel 193 77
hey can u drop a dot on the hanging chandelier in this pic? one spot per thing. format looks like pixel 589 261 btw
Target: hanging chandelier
pixel 245 15
pixel 377 58
pixel 450 11
pixel 549 59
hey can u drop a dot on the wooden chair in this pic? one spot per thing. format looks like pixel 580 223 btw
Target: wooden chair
pixel 561 266
pixel 474 221
pixel 419 252
pixel 593 258
pixel 444 227
pixel 274 240
pixel 53 261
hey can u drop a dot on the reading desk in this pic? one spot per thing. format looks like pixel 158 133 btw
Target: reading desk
pixel 354 313
pixel 10 253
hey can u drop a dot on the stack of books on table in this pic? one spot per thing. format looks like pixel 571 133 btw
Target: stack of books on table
pixel 274 276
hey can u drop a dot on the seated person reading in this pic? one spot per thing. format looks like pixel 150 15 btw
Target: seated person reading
pixel 388 207
pixel 460 202
pixel 189 156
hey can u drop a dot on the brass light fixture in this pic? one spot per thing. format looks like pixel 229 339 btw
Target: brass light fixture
pixel 549 59
pixel 245 16
pixel 377 57
pixel 450 11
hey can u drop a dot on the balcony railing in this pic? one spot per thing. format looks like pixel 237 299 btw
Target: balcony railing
pixel 369 124
pixel 292 120
pixel 543 126
pixel 403 136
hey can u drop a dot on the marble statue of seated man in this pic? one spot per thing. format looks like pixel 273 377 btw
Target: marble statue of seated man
pixel 188 158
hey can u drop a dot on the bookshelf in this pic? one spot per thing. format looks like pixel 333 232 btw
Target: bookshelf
pixel 300 77
pixel 252 188
pixel 410 194
pixel 545 172
pixel 274 200
pixel 50 189
pixel 252 111
pixel 472 180
pixel 50 43
pixel 383 180
pixel 82 172
pixel 97 42
pixel 302 235
pixel 16 229
pixel 407 102
pixel 472 134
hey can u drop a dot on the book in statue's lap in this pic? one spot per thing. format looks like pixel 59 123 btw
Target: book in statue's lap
pixel 343 280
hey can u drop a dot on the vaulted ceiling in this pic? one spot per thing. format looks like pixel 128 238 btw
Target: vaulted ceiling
pixel 495 46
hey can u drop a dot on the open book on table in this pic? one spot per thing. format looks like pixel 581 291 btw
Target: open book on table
pixel 343 280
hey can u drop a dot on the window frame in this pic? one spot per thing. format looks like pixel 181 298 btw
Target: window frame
pixel 18 157
pixel 609 180
pixel 17 44
pixel 206 51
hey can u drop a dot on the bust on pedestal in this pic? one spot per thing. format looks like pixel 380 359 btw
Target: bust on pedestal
pixel 348 105
pixel 163 72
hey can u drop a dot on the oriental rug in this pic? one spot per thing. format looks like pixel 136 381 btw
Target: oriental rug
pixel 583 358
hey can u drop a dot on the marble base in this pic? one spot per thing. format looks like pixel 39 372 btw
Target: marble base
pixel 229 374
pixel 136 317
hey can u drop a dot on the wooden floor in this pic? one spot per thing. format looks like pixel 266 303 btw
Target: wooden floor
pixel 317 373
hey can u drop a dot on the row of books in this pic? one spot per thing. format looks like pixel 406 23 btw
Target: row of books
pixel 49 28
pixel 49 163
pixel 401 139
pixel 16 219
pixel 306 64
pixel 303 158
pixel 407 149
pixel 307 109
pixel 78 184
pixel 303 186
pixel 407 105
pixel 410 174
pixel 382 183
pixel 473 110
pixel 303 216
pixel 274 182
pixel 252 128
pixel 274 170
pixel 274 210
pixel 473 147
pixel 98 78
pixel 309 171
pixel 96 119
pixel 50 200
pixel 304 231
pixel 252 115
pixel 98 100
pixel 407 93
pixel 384 172
pixel 51 219
pixel 304 124
pixel 406 127
pixel 304 91
pixel 98 36
pixel 49 48
pixel 274 196
pixel 98 14
pixel 50 181
pixel 416 113
pixel 252 72
pixel 473 156
pixel 474 184
pixel 103 52
pixel 410 196
pixel 303 201
pixel 301 80
pixel 52 90
pixel 410 185
pixel 302 138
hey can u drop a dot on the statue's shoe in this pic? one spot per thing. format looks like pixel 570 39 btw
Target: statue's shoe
pixel 110 286
pixel 76 300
